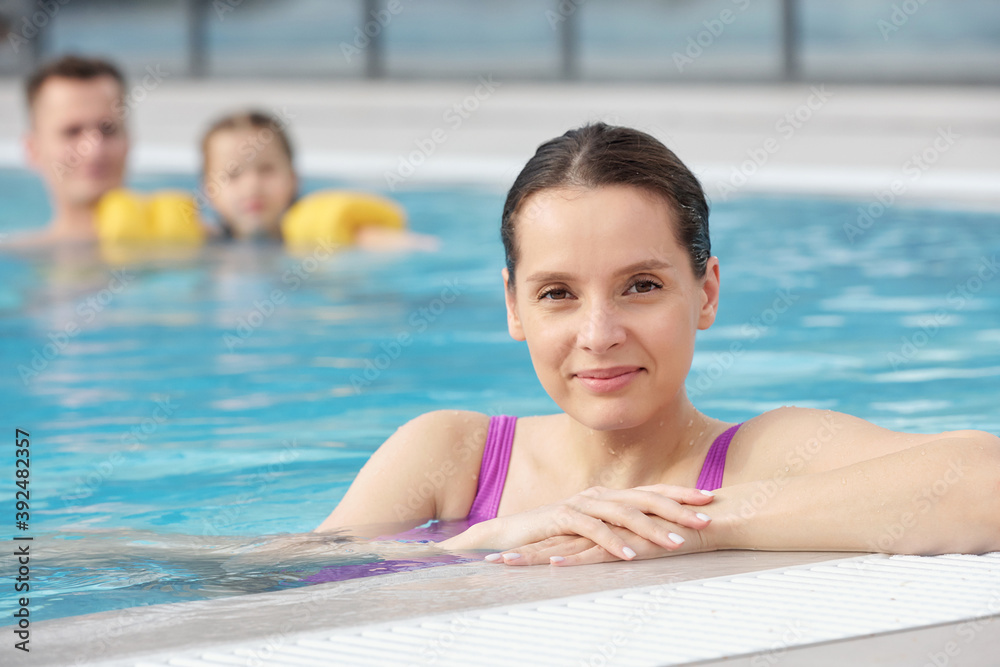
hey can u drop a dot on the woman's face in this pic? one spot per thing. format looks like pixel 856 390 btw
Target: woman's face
pixel 607 301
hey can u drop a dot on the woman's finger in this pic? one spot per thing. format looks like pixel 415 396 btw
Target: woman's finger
pixel 594 554
pixel 635 519
pixel 681 494
pixel 540 553
pixel 617 507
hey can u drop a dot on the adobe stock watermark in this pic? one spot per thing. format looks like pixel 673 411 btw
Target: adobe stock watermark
pixel 263 309
pixel 958 298
pixel 87 485
pixel 454 117
pixel 419 320
pixel 791 636
pixel 786 126
pixel 32 25
pixel 924 502
pixel 435 480
pixel 752 330
pixel 912 170
pixel 364 34
pixel 898 17
pixel 121 108
pixel 714 28
pixel 443 640
pixel 967 631
pixel 563 11
pixel 86 312
pixel 291 622
pixel 223 7
pixel 639 615
pixel 795 462
pixel 260 480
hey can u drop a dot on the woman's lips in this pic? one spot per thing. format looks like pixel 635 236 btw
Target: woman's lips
pixel 606 380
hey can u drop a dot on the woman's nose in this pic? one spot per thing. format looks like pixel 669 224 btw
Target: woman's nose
pixel 601 328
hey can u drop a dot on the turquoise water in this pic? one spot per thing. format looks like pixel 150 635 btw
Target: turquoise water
pixel 210 408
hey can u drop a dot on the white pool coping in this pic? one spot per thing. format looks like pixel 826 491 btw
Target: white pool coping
pixel 756 607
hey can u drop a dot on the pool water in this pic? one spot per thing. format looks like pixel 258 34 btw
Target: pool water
pixel 209 409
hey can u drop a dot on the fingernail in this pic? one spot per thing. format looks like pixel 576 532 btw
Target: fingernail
pixel 707 493
pixel 511 556
pixel 493 558
pixel 703 517
pixel 556 559
pixel 628 552
pixel 675 538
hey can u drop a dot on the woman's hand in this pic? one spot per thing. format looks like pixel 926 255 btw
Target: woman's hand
pixel 648 518
pixel 575 550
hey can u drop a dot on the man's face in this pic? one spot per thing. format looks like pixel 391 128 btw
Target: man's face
pixel 77 140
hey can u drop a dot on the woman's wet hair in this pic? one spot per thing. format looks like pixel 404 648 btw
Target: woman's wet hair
pixel 599 155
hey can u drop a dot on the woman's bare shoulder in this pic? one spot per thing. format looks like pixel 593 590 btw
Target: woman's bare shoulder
pixel 451 444
pixel 427 469
pixel 447 429
pixel 799 441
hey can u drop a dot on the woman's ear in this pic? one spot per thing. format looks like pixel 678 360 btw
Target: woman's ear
pixel 513 321
pixel 709 294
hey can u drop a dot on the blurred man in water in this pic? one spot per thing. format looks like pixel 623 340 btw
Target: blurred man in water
pixel 76 141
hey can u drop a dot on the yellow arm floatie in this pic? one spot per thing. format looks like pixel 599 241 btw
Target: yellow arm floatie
pixel 334 217
pixel 162 217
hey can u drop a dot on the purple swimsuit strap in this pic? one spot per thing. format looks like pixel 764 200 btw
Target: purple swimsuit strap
pixel 493 470
pixel 715 461
pixel 496 461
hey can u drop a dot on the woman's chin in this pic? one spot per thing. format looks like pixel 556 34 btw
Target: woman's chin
pixel 607 418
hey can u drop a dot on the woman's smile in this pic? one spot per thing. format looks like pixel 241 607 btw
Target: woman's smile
pixel 608 380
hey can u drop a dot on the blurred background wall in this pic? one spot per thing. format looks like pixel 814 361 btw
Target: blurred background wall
pixel 851 41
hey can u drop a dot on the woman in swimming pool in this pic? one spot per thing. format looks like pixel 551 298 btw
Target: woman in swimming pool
pixel 609 276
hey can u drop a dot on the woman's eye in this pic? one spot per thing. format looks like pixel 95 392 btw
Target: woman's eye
pixel 643 286
pixel 555 294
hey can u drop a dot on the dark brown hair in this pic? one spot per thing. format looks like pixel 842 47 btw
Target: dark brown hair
pixel 70 67
pixel 599 155
pixel 246 120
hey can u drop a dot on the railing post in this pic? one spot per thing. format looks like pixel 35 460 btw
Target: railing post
pixel 374 63
pixel 569 44
pixel 197 37
pixel 790 40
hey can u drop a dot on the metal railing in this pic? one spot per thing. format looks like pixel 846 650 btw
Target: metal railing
pixel 786 42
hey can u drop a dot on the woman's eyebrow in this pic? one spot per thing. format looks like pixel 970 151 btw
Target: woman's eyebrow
pixel 646 265
pixel 637 267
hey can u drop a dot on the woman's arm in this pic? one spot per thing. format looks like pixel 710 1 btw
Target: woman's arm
pixel 426 470
pixel 939 497
pixel 819 480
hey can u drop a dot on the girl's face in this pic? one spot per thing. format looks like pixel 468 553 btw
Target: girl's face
pixel 249 180
pixel 607 301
